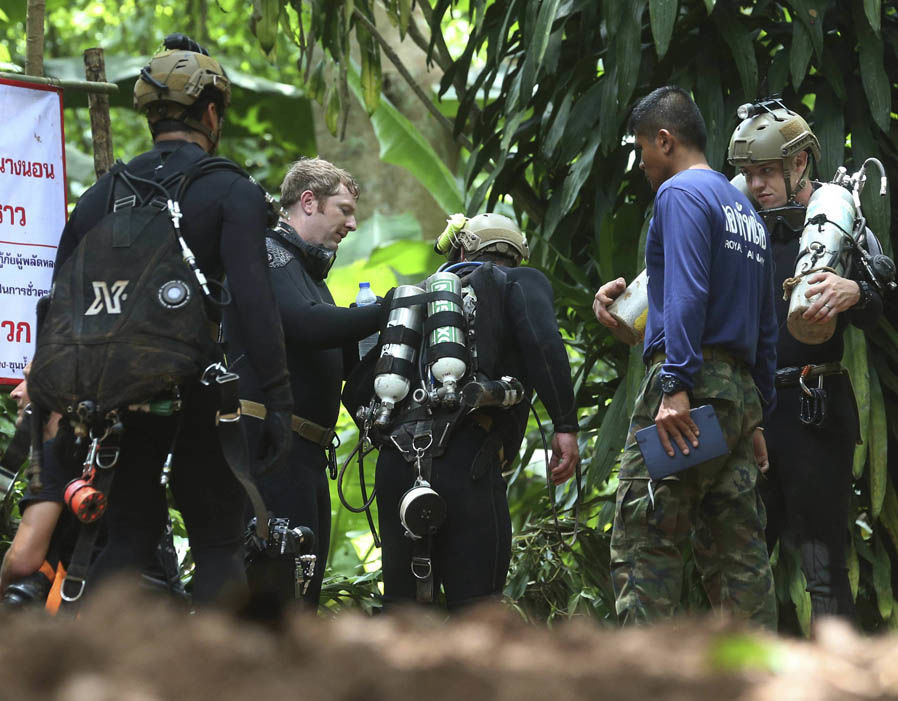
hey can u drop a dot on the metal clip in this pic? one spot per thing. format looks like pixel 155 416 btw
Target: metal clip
pixel 422 568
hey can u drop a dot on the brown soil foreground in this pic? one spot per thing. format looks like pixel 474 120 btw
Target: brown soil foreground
pixel 127 649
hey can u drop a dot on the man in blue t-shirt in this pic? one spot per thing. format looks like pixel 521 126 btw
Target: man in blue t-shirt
pixel 710 339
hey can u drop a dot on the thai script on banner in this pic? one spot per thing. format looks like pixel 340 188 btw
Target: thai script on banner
pixel 32 213
pixel 27 169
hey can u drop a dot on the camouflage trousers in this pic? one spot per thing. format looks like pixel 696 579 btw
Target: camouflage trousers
pixel 715 506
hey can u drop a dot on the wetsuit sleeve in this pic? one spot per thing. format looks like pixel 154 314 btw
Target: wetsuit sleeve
pixel 531 314
pixel 317 324
pixel 246 267
pixel 765 356
pixel 687 281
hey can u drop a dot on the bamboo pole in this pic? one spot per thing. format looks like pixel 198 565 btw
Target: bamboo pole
pixel 83 85
pixel 34 37
pixel 98 104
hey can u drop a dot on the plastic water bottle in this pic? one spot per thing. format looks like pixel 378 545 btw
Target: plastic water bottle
pixel 363 298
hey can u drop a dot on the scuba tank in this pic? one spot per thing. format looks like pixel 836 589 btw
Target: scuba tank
pixel 446 346
pixel 825 243
pixel 631 310
pixel 391 385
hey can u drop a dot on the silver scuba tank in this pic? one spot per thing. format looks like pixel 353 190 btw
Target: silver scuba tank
pixel 446 368
pixel 631 310
pixel 824 244
pixel 392 387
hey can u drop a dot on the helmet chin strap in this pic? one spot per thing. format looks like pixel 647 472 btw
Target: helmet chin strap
pixel 802 180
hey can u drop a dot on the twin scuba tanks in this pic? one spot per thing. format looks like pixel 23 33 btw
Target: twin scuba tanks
pixel 445 349
pixel 421 509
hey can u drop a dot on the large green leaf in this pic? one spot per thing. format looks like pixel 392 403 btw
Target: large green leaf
pixel 809 14
pixel 741 44
pixel 877 85
pixel 663 16
pixel 829 126
pixel 877 446
pixel 376 231
pixel 611 438
pixel 536 49
pixel 628 49
pixel 882 580
pixel 855 359
pixel 799 53
pixel 872 11
pixel 403 145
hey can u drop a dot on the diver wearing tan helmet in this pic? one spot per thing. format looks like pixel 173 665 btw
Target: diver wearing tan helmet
pixel 812 432
pixel 223 217
pixel 460 407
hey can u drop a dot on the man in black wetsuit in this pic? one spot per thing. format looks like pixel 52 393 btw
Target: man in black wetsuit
pixel 516 335
pixel 318 202
pixel 185 93
pixel 809 481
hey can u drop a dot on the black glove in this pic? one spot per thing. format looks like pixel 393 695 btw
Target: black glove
pixel 274 447
pixel 183 42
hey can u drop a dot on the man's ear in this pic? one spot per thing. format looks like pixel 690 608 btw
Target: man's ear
pixel 308 202
pixel 664 140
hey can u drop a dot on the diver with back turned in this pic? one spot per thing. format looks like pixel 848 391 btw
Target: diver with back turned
pixel 447 405
pixel 812 432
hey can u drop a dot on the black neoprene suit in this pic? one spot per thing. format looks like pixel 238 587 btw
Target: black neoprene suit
pixel 806 491
pixel 471 551
pixel 321 347
pixel 224 223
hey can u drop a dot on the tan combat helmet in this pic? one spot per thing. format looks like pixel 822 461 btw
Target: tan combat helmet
pixel 494 232
pixel 173 80
pixel 769 131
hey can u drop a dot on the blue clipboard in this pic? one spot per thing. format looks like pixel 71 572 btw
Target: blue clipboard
pixel 711 444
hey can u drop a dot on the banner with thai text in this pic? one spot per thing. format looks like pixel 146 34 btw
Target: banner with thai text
pixel 32 212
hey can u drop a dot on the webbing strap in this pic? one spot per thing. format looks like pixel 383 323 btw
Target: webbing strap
pixel 440 319
pixel 422 570
pixel 388 364
pixel 447 349
pixel 427 297
pixel 234 446
pixel 400 334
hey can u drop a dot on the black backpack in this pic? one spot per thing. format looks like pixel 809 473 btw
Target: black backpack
pixel 127 318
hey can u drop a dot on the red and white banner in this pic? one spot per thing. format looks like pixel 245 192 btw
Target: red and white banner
pixel 32 212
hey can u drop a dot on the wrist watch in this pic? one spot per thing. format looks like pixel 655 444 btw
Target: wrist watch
pixel 866 290
pixel 671 384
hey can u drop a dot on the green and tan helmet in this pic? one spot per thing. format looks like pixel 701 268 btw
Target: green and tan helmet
pixel 771 132
pixel 173 80
pixel 493 232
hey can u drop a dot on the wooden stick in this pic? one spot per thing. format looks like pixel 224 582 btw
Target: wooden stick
pixel 98 104
pixel 83 85
pixel 34 37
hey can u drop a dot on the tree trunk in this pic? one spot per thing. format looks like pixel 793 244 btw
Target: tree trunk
pixel 34 41
pixel 95 70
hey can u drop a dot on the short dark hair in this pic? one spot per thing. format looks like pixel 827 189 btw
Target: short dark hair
pixel 673 109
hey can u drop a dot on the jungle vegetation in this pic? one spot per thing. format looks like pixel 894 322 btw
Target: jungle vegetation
pixel 520 106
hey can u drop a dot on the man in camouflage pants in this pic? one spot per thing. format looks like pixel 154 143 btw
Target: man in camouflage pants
pixel 703 345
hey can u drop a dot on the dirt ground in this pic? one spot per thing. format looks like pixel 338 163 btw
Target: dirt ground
pixel 127 649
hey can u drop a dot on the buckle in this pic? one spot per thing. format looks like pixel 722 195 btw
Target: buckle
pixel 123 202
pixel 77 596
pixel 422 568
